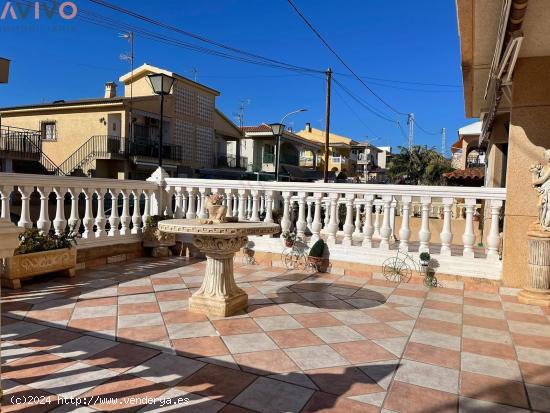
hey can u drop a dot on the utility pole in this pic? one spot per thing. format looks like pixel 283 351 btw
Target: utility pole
pixel 443 142
pixel 410 124
pixel 327 125
pixel 130 57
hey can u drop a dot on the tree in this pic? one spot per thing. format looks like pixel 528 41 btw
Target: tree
pixel 418 165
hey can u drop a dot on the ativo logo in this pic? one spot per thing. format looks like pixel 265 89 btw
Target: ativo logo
pixel 67 10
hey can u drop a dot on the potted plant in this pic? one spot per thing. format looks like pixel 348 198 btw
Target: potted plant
pixel 215 207
pixel 40 253
pixel 289 237
pixel 425 259
pixel 316 256
pixel 159 241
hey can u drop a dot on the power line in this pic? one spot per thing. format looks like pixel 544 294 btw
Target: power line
pixel 407 82
pixel 424 130
pixel 198 37
pixel 329 47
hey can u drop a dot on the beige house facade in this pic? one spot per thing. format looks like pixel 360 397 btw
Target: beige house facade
pixel 118 136
pixel 505 46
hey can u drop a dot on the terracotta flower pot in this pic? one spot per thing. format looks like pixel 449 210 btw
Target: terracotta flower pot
pixel 289 243
pixel 217 212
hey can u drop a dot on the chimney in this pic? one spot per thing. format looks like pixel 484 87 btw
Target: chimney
pixel 110 90
pixel 308 127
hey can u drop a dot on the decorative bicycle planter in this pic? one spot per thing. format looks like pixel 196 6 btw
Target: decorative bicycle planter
pixel 401 267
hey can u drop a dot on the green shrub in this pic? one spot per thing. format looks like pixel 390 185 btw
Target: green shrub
pixel 317 249
pixel 32 240
pixel 425 256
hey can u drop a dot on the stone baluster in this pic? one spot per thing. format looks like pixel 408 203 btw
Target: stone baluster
pixel 202 211
pixel 301 224
pixel 136 215
pixel 285 220
pixel 309 217
pixel 229 202
pixel 377 213
pixel 493 238
pixel 59 222
pixel 368 228
pixel 424 234
pixel 316 225
pixel 327 213
pixel 255 213
pixel 262 204
pixel 147 206
pixel 74 220
pixel 348 224
pixel 44 224
pixel 198 201
pixel 25 219
pixel 169 211
pixel 357 230
pixel 249 206
pixel 235 205
pixel 268 207
pixel 5 193
pixel 114 219
pixel 333 223
pixel 88 220
pixel 178 213
pixel 100 218
pixel 184 203
pixel 242 204
pixel 385 229
pixel 405 230
pixel 393 208
pixel 125 216
pixel 191 210
pixel 469 236
pixel 446 235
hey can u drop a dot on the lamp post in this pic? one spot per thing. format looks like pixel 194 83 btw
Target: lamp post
pixel 161 85
pixel 277 129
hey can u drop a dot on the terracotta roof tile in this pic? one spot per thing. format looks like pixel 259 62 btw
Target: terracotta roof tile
pixel 469 173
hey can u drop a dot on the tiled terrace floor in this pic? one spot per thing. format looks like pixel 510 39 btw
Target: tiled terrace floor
pixel 312 343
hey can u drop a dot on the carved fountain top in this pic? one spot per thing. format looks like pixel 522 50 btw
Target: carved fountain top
pixel 221 230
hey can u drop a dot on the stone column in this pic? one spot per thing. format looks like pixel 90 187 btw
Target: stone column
pixel 537 283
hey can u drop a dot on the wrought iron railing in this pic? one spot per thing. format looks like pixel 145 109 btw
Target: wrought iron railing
pixel 150 149
pixel 100 146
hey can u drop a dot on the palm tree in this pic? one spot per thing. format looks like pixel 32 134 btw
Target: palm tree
pixel 418 165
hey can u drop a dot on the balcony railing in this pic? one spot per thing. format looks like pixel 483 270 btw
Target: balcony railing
pixel 362 223
pixel 150 149
pixel 21 143
pixel 230 161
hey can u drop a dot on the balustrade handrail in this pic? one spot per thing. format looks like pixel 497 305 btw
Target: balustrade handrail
pixel 345 188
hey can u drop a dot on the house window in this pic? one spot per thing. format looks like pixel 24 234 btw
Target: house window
pixel 49 131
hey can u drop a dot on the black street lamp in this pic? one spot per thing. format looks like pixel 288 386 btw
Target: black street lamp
pixel 161 85
pixel 277 129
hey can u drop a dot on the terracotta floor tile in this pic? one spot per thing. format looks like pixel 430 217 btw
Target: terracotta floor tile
pixel 15 306
pixel 166 281
pixel 443 305
pixel 362 351
pixel 236 326
pixel 46 339
pixel 121 357
pixel 486 348
pixel 493 389
pixel 141 308
pixel 377 330
pixel 94 324
pixel 265 362
pixel 217 382
pixel 509 298
pixel 265 310
pixel 485 322
pixel 295 338
pixel 183 316
pixel 136 334
pixel 410 293
pixel 317 320
pixel 451 291
pixel 235 409
pixel 34 368
pixel 327 403
pixel 51 314
pixel 343 381
pixel 125 387
pixel 438 326
pixel 432 355
pixel 525 340
pixel 140 289
pixel 478 302
pixel 535 373
pixel 529 318
pixel 95 302
pixel 200 347
pixel 173 295
pixel 403 397
pixel 388 314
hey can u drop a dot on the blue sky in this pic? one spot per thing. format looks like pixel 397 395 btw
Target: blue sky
pixel 402 40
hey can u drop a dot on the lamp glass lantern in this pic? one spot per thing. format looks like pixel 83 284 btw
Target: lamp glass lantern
pixel 161 83
pixel 277 128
